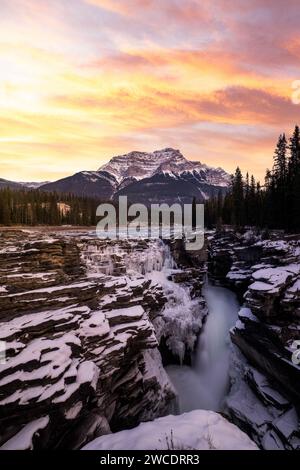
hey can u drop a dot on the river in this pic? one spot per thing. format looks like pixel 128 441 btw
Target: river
pixel 204 385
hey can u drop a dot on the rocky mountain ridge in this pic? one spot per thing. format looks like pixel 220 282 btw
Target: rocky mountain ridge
pixel 139 165
pixel 163 176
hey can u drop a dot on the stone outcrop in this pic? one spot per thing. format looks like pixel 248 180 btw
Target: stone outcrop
pixel 265 396
pixel 82 321
pixel 82 353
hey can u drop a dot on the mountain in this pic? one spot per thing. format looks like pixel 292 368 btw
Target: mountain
pixel 96 184
pixel 164 176
pixel 157 177
pixel 169 188
pixel 32 184
pixel 9 184
pixel 20 184
pixel 140 165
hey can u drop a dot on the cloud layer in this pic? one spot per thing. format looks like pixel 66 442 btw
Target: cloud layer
pixel 83 80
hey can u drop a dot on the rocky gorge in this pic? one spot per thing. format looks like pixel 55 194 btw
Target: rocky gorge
pixel 89 326
pixel 82 320
pixel 264 270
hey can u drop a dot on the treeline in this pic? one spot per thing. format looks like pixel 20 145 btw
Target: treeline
pixel 34 207
pixel 275 205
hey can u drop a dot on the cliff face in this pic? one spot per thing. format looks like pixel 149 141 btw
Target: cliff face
pixel 82 321
pixel 265 395
pixel 81 351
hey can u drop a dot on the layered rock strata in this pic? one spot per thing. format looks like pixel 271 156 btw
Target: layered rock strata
pixel 81 320
pixel 265 394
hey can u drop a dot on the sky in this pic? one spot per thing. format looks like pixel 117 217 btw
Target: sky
pixel 84 80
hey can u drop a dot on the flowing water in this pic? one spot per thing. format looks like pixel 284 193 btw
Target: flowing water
pixel 205 383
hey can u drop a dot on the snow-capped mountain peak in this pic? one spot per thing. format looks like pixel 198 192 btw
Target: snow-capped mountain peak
pixel 139 165
pixel 161 176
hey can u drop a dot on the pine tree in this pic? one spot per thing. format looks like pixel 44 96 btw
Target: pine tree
pixel 252 202
pixel 247 201
pixel 293 182
pixel 238 197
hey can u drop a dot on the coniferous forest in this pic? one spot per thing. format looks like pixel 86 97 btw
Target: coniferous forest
pixel 274 204
pixel 34 207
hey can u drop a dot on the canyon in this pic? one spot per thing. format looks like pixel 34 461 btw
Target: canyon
pixel 97 333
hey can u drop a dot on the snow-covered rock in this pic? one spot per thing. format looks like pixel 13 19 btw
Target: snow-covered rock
pixel 24 440
pixel 197 430
pixel 256 406
pixel 82 320
pixel 266 275
pixel 81 347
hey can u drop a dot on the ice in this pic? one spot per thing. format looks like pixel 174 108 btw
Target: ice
pixel 181 316
pixel 204 385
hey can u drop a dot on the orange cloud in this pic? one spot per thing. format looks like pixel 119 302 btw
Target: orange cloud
pixel 79 84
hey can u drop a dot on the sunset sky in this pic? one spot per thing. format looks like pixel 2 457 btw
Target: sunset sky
pixel 83 80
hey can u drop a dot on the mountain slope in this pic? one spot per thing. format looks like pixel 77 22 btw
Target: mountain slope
pixel 9 184
pixel 167 188
pixel 32 184
pixel 157 177
pixel 95 184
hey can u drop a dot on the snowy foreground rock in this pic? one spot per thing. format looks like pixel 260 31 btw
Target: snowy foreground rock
pixel 197 430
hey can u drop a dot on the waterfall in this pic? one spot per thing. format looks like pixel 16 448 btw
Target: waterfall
pixel 205 383
pixel 182 315
pixel 104 257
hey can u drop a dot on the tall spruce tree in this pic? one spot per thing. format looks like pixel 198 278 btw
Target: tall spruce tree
pixel 238 198
pixel 293 182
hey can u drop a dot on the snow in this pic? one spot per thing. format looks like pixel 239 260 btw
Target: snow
pixel 262 286
pixel 245 313
pixel 130 313
pixel 277 245
pixel 24 439
pixel 180 320
pixel 170 162
pixel 29 321
pixel 49 290
pixel 198 430
pixel 295 288
pixel 88 372
pixel 275 276
pixel 96 325
pixel 273 279
pixel 239 325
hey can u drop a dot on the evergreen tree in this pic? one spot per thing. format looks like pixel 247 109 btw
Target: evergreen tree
pixel 238 198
